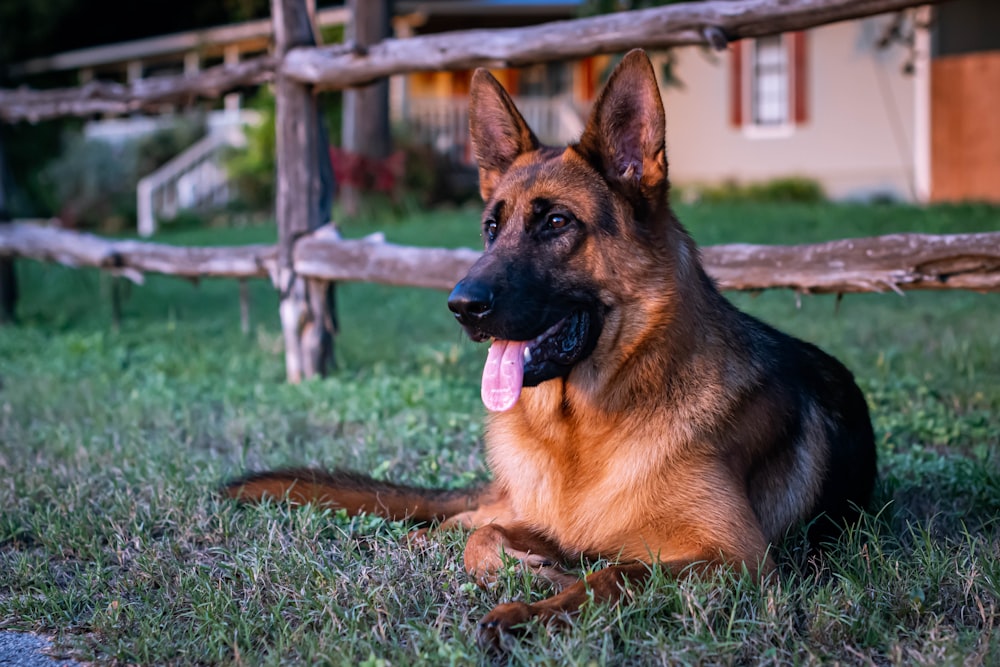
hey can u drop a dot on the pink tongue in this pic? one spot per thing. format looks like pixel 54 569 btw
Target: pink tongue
pixel 503 374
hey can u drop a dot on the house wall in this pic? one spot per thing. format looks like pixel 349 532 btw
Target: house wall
pixel 857 140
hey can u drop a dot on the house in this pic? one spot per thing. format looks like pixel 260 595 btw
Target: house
pixel 899 107
pixel 828 104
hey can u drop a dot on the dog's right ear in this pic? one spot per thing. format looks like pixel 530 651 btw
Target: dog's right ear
pixel 498 131
pixel 624 138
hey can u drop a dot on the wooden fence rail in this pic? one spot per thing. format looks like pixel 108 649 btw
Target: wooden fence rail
pixel 150 94
pixel 893 262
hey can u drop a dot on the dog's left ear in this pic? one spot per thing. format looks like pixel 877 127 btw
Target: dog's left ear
pixel 624 138
pixel 498 131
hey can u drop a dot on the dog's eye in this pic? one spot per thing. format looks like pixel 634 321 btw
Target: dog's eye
pixel 491 230
pixel 557 221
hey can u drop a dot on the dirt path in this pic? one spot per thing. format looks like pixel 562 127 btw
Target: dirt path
pixel 18 649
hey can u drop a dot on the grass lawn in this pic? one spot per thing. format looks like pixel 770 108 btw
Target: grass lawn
pixel 111 445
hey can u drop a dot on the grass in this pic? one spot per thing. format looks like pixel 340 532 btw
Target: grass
pixel 111 445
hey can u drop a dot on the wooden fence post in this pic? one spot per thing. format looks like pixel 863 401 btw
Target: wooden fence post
pixel 302 205
pixel 366 109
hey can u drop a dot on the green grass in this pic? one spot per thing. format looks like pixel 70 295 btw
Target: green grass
pixel 111 445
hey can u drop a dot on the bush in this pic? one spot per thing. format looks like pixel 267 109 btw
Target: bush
pixel 254 168
pixel 92 183
pixel 431 179
pixel 782 190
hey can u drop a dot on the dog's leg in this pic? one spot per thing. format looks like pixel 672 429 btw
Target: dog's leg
pixel 490 545
pixel 747 549
pixel 607 585
pixel 496 511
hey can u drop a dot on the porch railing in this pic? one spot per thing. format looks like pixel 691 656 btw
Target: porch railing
pixel 195 179
pixel 444 123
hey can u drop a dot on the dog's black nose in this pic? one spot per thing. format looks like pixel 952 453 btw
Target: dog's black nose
pixel 470 301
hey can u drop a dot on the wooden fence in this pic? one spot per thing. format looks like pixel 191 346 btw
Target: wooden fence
pixel 309 256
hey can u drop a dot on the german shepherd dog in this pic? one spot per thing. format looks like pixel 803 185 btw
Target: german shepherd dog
pixel 634 413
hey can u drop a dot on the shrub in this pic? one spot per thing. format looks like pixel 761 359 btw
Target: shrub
pixel 92 183
pixel 789 189
pixel 431 178
pixel 254 168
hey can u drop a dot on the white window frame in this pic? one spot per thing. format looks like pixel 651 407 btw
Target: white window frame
pixel 751 128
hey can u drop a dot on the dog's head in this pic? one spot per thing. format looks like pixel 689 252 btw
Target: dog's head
pixel 544 290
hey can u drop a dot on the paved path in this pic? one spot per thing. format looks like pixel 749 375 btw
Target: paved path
pixel 18 649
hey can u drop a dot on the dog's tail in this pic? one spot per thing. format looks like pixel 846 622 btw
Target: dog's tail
pixel 356 494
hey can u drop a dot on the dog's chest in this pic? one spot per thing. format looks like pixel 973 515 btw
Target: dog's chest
pixel 589 489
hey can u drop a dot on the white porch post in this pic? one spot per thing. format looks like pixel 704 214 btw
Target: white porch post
pixel 192 63
pixel 231 56
pixel 398 84
pixel 922 106
pixel 146 221
pixel 133 71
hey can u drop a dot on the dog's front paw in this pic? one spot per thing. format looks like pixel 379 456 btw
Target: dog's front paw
pixel 505 622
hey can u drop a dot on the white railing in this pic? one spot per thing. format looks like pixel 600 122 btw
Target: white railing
pixel 444 123
pixel 195 179
pixel 555 120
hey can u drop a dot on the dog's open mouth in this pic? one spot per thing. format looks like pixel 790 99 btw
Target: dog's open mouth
pixel 512 365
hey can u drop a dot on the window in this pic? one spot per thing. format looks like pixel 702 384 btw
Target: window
pixel 768 84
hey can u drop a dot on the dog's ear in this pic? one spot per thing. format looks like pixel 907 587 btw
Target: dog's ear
pixel 498 131
pixel 624 138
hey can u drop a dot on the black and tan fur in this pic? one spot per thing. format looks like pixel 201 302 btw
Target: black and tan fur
pixel 663 425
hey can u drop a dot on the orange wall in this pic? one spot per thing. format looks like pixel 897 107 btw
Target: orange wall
pixel 586 80
pixel 965 127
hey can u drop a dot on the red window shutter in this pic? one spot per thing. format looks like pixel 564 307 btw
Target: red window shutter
pixel 800 90
pixel 736 84
pixel 589 88
pixel 460 83
pixel 512 80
